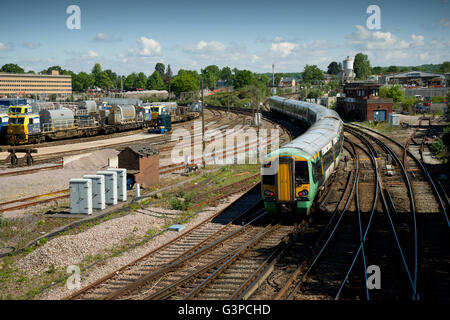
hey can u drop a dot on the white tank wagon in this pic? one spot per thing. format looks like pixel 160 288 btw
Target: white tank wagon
pixel 54 120
pixel 89 105
pixel 121 115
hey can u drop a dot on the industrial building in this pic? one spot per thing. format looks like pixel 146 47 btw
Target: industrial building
pixel 362 101
pixel 42 84
pixel 417 79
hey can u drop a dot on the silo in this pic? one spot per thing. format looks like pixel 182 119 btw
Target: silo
pixel 348 65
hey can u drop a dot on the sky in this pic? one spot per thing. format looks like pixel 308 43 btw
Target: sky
pixel 133 35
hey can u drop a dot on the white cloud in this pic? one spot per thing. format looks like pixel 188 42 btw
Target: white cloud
pixel 376 40
pixel 91 54
pixel 31 45
pixel 105 37
pixel 417 41
pixel 149 47
pixel 444 22
pixel 278 39
pixel 3 47
pixel 204 46
pixel 424 56
pixel 283 48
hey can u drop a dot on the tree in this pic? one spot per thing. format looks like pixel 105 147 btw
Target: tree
pixel 393 69
pixel 155 82
pixel 193 73
pixel 113 77
pixel 362 66
pixel 103 81
pixel 226 75
pixel 11 68
pixel 141 81
pixel 243 78
pixel 96 69
pixel 395 92
pixel 184 83
pixel 444 67
pixel 160 67
pixel 378 70
pixel 312 73
pixel 169 74
pixel 333 68
pixel 82 81
pixel 210 76
pixel 129 82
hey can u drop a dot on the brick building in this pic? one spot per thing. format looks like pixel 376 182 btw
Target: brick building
pixel 362 101
pixel 142 164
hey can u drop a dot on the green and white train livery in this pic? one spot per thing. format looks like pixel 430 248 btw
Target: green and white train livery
pixel 294 174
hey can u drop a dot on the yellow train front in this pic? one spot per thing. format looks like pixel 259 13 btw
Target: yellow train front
pixel 23 129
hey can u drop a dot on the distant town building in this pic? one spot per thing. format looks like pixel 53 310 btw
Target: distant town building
pixel 328 77
pixel 363 102
pixel 284 82
pixel 42 84
pixel 417 79
pixel 347 74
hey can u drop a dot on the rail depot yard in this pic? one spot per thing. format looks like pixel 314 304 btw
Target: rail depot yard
pixel 220 183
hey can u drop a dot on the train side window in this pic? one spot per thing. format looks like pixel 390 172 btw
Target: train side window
pixel 301 173
pixel 30 121
pixel 328 159
pixel 317 170
pixel 268 179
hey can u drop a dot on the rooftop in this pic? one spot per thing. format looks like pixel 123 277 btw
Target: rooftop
pixel 143 149
pixel 415 74
pixel 31 75
pixel 363 83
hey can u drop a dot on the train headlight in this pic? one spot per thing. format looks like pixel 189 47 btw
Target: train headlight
pixel 303 193
pixel 268 193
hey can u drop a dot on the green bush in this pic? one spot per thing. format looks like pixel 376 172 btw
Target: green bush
pixel 437 147
pixel 437 99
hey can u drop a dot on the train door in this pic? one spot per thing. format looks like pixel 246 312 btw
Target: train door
pixel 285 179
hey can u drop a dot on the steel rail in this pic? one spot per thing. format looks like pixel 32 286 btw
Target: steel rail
pixel 371 215
pixel 424 170
pixel 144 279
pixel 331 236
pixel 408 183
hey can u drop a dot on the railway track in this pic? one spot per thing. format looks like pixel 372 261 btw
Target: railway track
pixel 329 259
pixel 207 236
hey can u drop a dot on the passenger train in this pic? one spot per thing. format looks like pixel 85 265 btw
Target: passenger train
pixel 297 172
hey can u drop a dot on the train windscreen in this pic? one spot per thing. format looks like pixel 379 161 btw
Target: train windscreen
pixel 301 172
pixel 268 179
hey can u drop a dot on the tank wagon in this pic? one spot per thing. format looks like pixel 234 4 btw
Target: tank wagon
pixel 87 120
pixel 297 172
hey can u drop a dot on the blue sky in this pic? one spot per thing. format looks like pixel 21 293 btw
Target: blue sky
pixel 131 36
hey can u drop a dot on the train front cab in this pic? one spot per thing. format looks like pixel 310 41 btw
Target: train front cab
pixel 23 129
pixel 289 189
pixel 20 110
